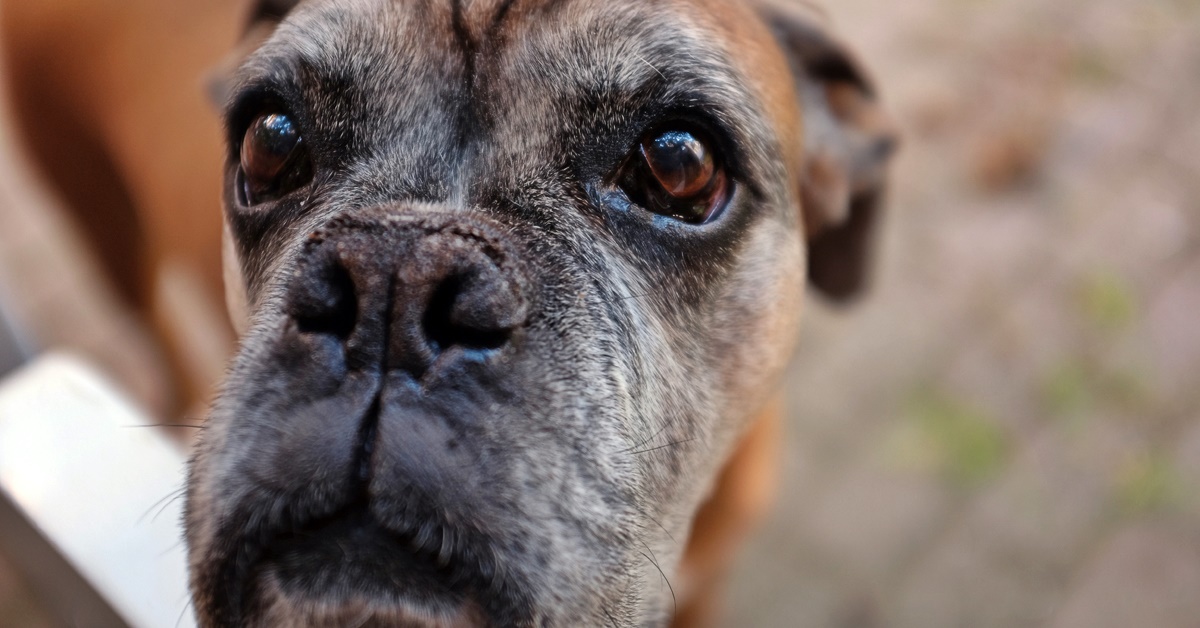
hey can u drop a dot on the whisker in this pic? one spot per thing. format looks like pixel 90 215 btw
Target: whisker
pixel 173 547
pixel 674 602
pixel 674 443
pixel 660 525
pixel 644 441
pixel 651 65
pixel 164 507
pixel 181 612
pixel 363 618
pixel 177 495
pixel 193 426
pixel 173 494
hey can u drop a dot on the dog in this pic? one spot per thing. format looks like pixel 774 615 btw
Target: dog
pixel 516 282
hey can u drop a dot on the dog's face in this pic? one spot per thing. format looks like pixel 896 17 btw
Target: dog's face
pixel 516 276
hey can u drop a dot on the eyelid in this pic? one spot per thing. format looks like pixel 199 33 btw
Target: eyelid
pixel 701 119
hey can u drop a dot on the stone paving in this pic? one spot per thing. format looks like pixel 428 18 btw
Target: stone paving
pixel 1004 433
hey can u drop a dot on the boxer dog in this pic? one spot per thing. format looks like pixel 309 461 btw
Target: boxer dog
pixel 518 280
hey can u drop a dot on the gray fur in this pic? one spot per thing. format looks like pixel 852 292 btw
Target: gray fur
pixel 574 457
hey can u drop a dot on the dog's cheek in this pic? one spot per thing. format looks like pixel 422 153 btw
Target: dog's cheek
pixel 201 508
pixel 761 319
pixel 235 283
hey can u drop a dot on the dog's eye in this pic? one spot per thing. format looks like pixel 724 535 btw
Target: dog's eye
pixel 274 160
pixel 677 173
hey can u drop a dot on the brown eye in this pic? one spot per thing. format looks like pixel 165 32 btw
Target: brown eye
pixel 274 159
pixel 677 174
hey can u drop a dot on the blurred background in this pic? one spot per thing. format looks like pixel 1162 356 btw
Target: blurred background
pixel 1003 433
pixel 1006 431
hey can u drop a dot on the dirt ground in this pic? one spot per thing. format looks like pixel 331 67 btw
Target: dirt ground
pixel 1004 432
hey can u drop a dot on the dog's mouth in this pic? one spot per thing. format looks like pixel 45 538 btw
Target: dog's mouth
pixel 349 569
pixel 368 564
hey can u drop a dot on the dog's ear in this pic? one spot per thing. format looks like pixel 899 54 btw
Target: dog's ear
pixel 270 11
pixel 848 141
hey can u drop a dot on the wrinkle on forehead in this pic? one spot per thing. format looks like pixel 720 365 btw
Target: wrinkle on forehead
pixel 320 32
pixel 479 18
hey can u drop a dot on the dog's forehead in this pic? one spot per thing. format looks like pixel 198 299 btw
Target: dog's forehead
pixel 503 40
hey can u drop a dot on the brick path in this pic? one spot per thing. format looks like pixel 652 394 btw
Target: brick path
pixel 1004 433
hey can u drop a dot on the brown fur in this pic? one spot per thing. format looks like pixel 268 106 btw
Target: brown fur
pixel 119 90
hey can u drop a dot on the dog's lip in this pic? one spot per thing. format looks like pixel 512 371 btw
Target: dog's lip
pixel 350 560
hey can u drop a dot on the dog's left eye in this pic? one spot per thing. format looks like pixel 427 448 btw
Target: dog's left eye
pixel 274 159
pixel 677 173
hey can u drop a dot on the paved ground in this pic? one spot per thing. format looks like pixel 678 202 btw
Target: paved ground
pixel 1005 433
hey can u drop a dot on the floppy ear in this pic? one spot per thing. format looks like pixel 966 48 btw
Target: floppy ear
pixel 272 11
pixel 848 141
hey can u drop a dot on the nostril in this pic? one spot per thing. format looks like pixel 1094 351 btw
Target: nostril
pixel 326 302
pixel 470 313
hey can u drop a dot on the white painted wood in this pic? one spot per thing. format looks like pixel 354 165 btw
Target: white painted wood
pixel 78 460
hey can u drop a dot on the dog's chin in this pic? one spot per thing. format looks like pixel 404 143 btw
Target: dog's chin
pixel 282 609
pixel 350 571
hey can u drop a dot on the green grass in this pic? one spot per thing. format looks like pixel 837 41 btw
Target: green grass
pixel 1068 390
pixel 1077 388
pixel 953 438
pixel 1091 67
pixel 1148 482
pixel 1108 302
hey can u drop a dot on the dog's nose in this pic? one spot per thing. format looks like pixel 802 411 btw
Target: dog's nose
pixel 408 291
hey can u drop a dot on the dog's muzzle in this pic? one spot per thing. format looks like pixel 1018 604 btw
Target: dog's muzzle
pixel 377 452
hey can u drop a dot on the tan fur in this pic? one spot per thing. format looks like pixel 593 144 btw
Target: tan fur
pixel 743 494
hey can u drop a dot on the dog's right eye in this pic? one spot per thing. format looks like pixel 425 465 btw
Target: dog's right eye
pixel 274 159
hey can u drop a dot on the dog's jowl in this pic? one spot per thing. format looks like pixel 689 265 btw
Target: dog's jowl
pixel 515 280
